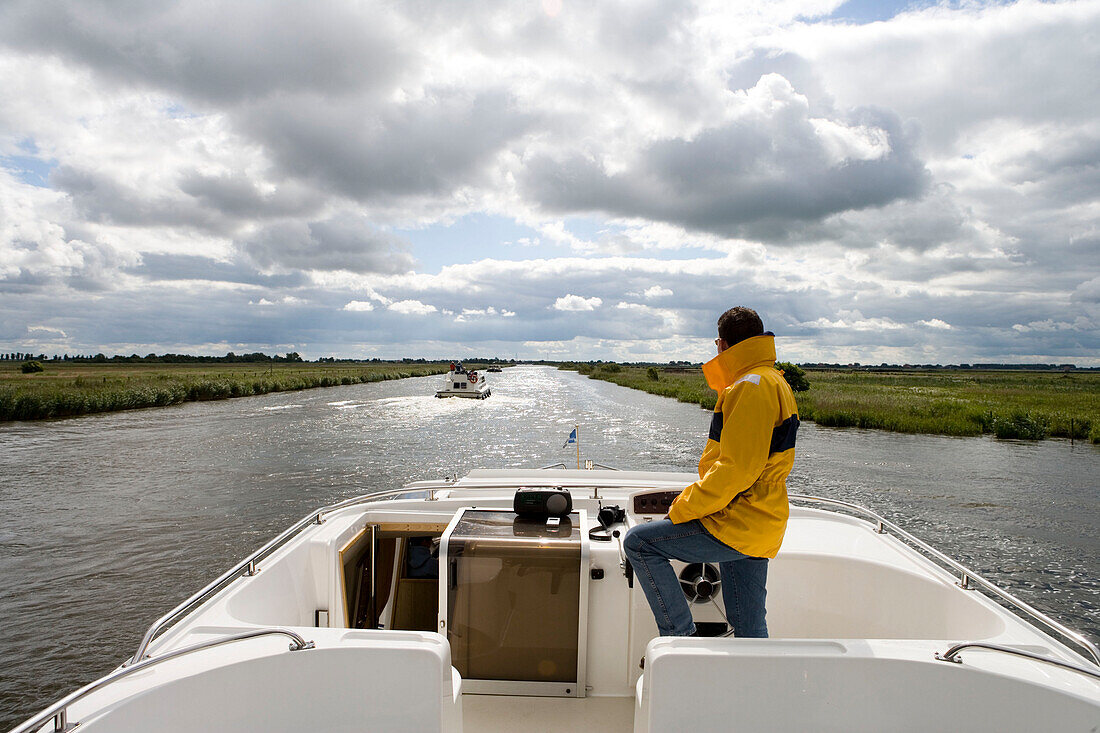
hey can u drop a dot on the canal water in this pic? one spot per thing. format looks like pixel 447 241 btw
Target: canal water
pixel 108 521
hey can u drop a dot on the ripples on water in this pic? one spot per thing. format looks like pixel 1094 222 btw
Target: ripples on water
pixel 107 522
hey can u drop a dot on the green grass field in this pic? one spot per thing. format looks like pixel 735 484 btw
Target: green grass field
pixel 66 389
pixel 1008 404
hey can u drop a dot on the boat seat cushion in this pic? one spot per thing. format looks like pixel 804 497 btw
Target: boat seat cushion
pixel 369 680
pixel 793 685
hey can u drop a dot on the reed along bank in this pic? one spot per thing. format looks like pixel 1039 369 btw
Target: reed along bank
pixel 68 389
pixel 1029 405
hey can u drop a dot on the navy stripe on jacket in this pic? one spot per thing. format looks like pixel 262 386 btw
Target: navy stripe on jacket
pixel 783 435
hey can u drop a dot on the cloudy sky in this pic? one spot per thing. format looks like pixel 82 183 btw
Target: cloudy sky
pixel 882 181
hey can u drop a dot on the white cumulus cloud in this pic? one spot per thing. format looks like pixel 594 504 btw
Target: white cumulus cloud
pixel 47 329
pixel 412 308
pixel 656 292
pixel 572 302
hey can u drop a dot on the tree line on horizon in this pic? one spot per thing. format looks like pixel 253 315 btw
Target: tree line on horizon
pixel 686 365
pixel 255 357
pixel 258 357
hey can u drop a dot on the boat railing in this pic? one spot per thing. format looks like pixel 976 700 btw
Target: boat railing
pixel 952 655
pixel 59 711
pixel 968 579
pixel 587 464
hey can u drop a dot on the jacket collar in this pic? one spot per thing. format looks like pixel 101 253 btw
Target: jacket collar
pixel 724 369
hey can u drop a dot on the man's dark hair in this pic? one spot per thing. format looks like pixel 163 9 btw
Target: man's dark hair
pixel 738 324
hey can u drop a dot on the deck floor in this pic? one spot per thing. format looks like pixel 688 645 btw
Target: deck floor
pixel 504 714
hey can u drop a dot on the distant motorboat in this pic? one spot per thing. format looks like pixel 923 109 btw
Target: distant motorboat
pixel 495 368
pixel 462 383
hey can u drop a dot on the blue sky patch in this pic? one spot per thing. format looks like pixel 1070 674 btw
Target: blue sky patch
pixel 871 11
pixel 486 236
pixel 477 237
pixel 30 170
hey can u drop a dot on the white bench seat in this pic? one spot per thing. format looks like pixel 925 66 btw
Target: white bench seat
pixel 379 681
pixel 737 685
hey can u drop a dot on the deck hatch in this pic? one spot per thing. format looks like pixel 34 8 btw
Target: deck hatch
pixel 513 602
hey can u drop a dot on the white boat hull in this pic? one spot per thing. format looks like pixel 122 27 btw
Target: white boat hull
pixel 858 618
pixel 469 394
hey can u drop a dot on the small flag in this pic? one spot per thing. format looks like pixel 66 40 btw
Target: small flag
pixel 572 438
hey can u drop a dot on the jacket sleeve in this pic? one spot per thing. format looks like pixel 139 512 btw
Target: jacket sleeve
pixel 748 415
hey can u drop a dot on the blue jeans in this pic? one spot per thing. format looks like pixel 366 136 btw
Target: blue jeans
pixel 649 547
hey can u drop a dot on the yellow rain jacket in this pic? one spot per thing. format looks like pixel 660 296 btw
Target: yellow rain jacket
pixel 741 494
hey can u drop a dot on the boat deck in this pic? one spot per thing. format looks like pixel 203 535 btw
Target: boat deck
pixel 504 714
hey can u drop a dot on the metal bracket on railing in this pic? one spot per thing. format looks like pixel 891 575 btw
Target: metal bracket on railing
pixel 952 655
pixel 251 569
pixel 61 722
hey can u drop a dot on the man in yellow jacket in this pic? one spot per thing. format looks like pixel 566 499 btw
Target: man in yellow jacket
pixel 736 513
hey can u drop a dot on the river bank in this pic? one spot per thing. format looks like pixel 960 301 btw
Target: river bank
pixel 68 389
pixel 1006 404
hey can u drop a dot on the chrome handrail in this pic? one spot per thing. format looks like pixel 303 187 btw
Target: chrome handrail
pixel 248 565
pixel 966 575
pixel 952 655
pixel 592 464
pixel 59 710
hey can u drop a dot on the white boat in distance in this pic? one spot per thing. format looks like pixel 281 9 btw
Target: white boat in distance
pixel 436 607
pixel 461 383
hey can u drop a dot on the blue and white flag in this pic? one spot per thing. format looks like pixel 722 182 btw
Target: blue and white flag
pixel 572 438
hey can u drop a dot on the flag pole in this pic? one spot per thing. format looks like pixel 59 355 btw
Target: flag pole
pixel 577 428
